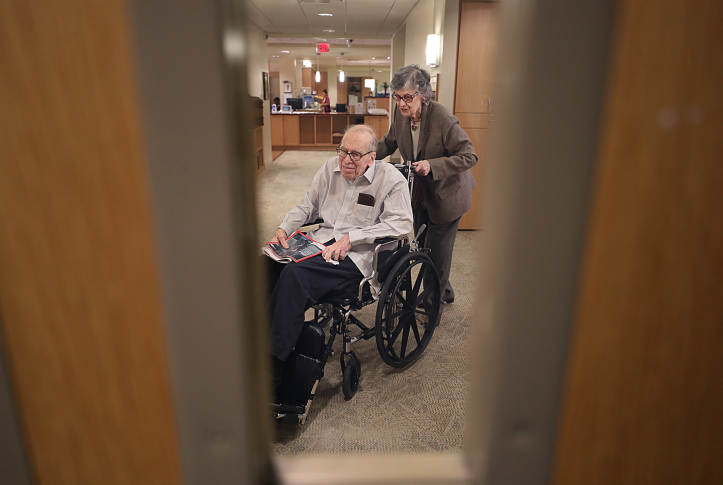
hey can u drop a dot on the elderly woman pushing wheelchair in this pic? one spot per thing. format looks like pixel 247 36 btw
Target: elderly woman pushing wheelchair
pixel 428 135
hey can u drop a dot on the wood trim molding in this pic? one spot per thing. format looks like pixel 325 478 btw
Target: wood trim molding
pixel 399 469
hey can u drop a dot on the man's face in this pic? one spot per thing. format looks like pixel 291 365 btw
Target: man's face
pixel 355 143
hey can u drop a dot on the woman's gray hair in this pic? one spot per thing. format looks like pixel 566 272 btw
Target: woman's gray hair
pixel 413 77
pixel 365 130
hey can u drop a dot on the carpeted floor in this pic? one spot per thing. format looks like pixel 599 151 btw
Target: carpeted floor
pixel 417 409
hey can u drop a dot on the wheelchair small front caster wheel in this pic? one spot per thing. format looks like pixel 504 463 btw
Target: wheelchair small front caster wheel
pixel 352 375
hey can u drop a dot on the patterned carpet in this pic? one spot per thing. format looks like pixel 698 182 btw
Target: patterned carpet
pixel 417 409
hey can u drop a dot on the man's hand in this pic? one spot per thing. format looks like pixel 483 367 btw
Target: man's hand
pixel 422 167
pixel 280 237
pixel 337 250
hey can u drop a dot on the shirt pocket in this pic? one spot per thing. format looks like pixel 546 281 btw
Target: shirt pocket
pixel 362 215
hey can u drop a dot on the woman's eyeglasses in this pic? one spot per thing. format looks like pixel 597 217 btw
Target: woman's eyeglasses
pixel 355 156
pixel 408 98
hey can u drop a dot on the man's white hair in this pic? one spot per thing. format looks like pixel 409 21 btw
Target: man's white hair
pixel 364 130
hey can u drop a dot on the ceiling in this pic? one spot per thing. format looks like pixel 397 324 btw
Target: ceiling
pixel 362 29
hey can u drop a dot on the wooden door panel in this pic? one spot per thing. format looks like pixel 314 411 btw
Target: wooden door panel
pixel 479 140
pixel 474 120
pixel 307 77
pixel 277 130
pixel 322 84
pixel 644 398
pixel 291 130
pixel 82 316
pixel 476 57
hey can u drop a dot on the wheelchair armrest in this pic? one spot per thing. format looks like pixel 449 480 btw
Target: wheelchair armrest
pixel 384 240
pixel 381 243
pixel 306 226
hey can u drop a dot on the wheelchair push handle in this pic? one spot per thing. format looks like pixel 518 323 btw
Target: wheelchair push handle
pixel 415 242
pixel 420 232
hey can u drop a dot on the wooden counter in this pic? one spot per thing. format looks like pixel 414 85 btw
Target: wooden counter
pixel 310 131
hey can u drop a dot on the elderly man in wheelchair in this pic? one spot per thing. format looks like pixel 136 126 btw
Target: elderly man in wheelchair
pixel 364 212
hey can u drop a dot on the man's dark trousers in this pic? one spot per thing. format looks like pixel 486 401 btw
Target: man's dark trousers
pixel 295 287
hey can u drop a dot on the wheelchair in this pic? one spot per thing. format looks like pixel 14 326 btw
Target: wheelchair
pixel 409 306
pixel 408 310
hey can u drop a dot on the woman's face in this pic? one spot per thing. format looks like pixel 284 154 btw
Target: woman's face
pixel 413 107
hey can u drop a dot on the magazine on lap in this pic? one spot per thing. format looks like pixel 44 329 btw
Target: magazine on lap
pixel 301 247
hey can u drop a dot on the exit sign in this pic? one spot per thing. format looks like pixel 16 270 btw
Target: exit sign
pixel 322 47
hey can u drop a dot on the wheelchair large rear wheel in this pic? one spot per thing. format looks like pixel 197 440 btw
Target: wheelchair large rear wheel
pixel 408 310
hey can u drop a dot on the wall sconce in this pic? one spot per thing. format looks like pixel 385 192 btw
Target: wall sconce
pixel 433 50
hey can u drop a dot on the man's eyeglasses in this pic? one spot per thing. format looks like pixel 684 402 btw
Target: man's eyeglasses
pixel 408 98
pixel 355 156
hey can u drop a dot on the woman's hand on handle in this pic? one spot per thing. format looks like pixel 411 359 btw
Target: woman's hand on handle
pixel 422 167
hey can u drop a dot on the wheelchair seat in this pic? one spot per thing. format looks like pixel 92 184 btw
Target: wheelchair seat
pixel 345 293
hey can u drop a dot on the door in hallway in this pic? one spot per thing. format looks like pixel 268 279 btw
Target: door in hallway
pixel 475 80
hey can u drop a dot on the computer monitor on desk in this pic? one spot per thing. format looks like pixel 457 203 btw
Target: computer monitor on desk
pixel 341 108
pixel 296 103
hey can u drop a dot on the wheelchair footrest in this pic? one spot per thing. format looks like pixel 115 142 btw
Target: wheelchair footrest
pixel 287 408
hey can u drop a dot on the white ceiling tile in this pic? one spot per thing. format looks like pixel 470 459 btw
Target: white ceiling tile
pixel 397 16
pixel 362 18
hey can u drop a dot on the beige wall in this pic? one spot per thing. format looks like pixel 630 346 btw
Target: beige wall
pixel 258 63
pixel 398 48
pixel 420 23
pixel 448 65
pixel 333 78
pixel 430 17
pixel 287 72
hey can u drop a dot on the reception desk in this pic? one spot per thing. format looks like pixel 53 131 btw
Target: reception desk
pixel 311 131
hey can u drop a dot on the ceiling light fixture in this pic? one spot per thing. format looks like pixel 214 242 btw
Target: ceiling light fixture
pixel 341 73
pixel 325 15
pixel 369 83
pixel 318 74
pixel 327 30
pixel 284 52
pixel 433 50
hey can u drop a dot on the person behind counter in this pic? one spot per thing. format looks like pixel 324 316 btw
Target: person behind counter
pixel 429 136
pixel 326 102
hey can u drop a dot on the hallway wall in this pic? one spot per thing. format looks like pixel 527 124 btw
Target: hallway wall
pixel 257 62
pixel 430 17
